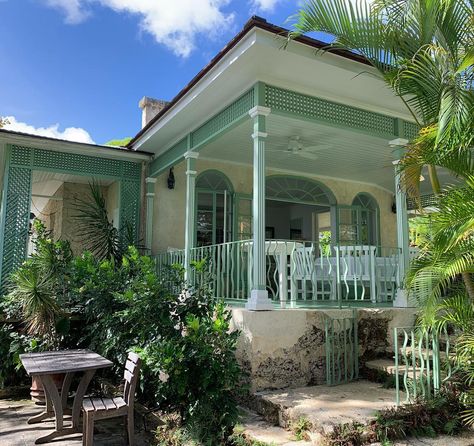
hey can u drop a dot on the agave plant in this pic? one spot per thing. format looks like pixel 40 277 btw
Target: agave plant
pixel 422 49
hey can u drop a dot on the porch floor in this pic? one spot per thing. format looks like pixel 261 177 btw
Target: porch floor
pixel 309 304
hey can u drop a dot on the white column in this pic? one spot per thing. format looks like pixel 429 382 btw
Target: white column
pixel 403 234
pixel 191 172
pixel 150 196
pixel 259 295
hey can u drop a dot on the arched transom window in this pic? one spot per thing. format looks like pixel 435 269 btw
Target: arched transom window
pixel 296 189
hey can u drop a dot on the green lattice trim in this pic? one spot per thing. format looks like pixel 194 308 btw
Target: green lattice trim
pixel 41 159
pixel 426 200
pixel 287 101
pixel 410 130
pixel 223 119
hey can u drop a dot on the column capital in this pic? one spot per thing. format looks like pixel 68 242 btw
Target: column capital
pixel 191 172
pixel 190 154
pixel 398 142
pixel 150 180
pixel 259 110
pixel 259 135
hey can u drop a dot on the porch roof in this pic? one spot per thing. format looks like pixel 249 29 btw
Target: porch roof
pixel 256 55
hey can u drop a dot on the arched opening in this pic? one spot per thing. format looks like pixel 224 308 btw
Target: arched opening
pixel 299 209
pixel 214 219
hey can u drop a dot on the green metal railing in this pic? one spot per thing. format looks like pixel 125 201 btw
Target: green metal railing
pixel 342 349
pixel 422 362
pixel 298 271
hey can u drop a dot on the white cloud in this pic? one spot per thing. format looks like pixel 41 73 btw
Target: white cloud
pixel 74 10
pixel 174 24
pixel 265 5
pixel 76 134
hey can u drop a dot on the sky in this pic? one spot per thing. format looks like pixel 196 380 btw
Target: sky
pixel 76 69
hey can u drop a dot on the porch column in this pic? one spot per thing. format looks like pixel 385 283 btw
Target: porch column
pixel 403 235
pixel 150 196
pixel 191 172
pixel 259 295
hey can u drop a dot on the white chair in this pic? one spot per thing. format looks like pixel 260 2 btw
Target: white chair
pixel 310 268
pixel 386 272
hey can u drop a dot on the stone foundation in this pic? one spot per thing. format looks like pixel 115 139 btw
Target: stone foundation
pixel 286 348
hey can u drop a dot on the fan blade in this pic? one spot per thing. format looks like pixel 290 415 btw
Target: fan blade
pixel 317 148
pixel 307 155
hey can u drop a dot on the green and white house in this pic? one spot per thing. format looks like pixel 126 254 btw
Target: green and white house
pixel 277 165
pixel 284 168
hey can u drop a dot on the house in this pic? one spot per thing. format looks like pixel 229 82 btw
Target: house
pixel 276 163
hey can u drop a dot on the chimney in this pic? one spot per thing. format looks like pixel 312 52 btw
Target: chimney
pixel 150 108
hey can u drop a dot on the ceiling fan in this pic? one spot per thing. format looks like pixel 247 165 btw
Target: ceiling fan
pixel 296 147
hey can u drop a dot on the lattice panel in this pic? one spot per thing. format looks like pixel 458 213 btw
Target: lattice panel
pixel 129 205
pixel 17 215
pixel 22 156
pixel 226 117
pixel 70 162
pixel 410 130
pixel 321 109
pixel 426 200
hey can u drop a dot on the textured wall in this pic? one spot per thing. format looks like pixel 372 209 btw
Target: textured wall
pixel 286 348
pixel 169 205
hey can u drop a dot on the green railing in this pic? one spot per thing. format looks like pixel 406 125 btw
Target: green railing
pixel 298 271
pixel 342 349
pixel 422 362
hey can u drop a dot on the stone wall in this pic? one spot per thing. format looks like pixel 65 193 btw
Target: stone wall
pixel 286 348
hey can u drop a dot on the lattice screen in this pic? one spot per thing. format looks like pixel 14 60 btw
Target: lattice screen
pixel 16 220
pixel 237 109
pixel 316 108
pixel 17 193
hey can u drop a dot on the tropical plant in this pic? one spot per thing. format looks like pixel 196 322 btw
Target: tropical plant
pixel 422 49
pixel 38 289
pixel 96 231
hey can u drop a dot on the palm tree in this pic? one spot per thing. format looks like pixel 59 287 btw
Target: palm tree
pixel 422 49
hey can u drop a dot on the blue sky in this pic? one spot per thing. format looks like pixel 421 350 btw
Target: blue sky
pixel 77 68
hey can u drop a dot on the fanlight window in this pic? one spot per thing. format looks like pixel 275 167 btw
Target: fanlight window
pixel 213 180
pixel 298 190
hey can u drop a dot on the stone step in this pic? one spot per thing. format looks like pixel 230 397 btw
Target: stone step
pixel 323 406
pixel 388 366
pixel 256 428
pixel 426 353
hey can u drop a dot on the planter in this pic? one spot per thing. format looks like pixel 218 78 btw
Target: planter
pixel 37 391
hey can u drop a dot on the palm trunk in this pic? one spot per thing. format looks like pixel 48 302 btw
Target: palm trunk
pixel 434 179
pixel 469 284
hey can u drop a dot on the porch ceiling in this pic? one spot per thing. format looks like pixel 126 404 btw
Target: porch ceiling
pixel 342 153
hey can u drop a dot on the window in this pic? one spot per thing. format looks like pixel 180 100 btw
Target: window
pixel 214 208
pixel 359 223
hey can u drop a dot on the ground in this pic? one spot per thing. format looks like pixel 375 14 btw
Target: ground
pixel 14 431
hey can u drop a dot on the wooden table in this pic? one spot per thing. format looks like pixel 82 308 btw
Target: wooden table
pixel 68 362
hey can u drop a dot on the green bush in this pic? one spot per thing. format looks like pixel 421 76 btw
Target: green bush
pixel 113 306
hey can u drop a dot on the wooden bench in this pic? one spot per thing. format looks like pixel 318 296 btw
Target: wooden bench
pixel 103 408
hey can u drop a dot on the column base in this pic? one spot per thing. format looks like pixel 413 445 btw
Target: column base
pixel 259 301
pixel 402 300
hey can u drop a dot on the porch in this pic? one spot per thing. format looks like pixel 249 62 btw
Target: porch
pixel 297 273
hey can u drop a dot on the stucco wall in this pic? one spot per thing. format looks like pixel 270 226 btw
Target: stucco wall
pixel 169 205
pixel 286 348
